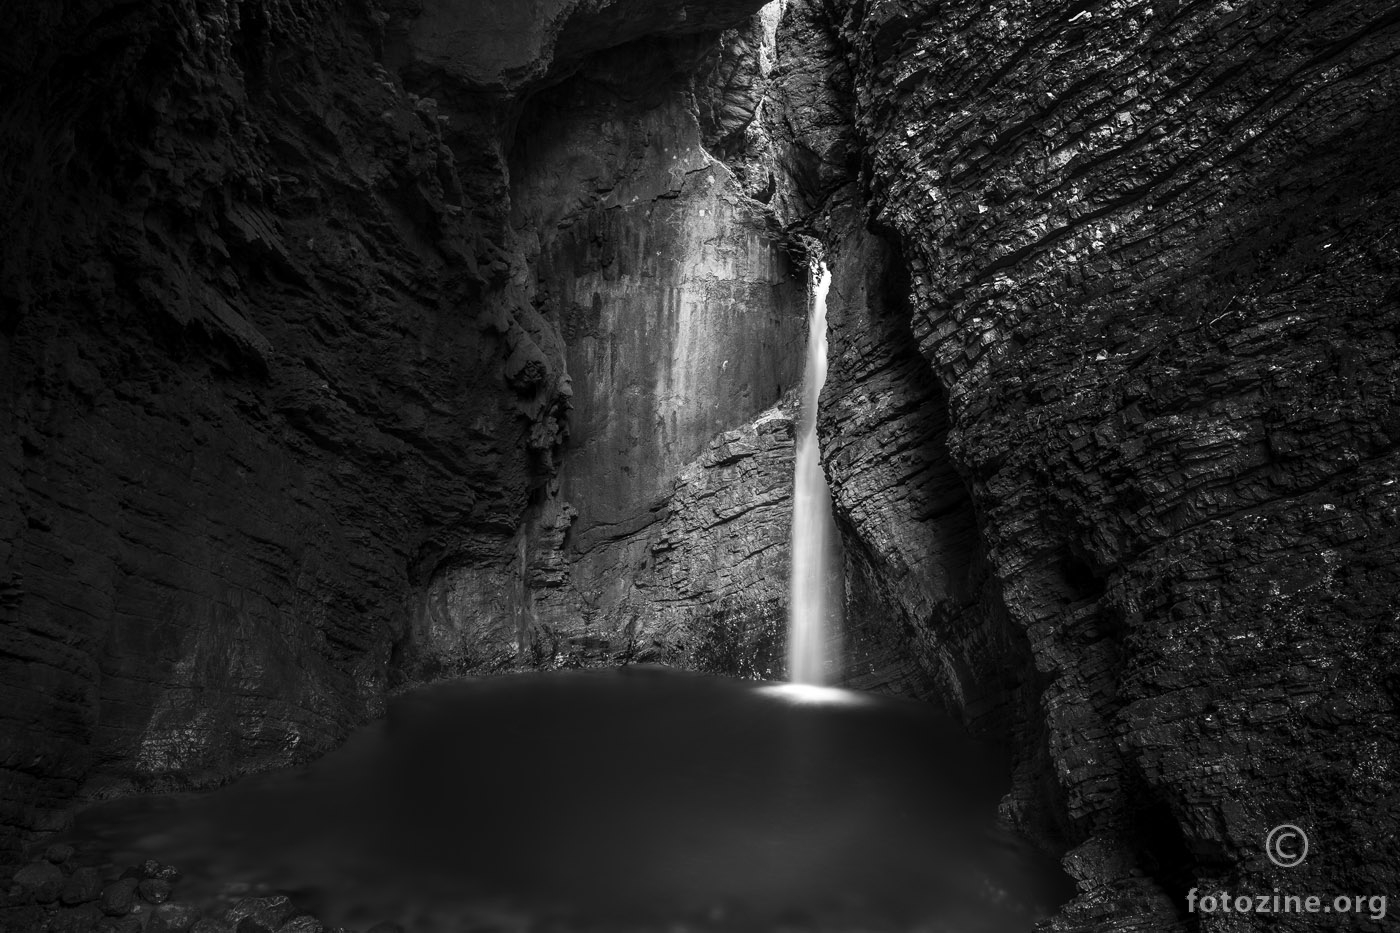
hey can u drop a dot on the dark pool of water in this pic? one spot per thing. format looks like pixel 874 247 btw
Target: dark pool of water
pixel 633 799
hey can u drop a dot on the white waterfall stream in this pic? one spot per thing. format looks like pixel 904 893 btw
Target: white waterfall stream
pixel 813 529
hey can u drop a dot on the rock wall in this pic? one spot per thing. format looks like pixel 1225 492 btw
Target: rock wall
pixel 278 375
pixel 1151 263
pixel 240 344
pixel 681 319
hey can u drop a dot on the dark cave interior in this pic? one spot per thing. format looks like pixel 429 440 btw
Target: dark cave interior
pixel 347 350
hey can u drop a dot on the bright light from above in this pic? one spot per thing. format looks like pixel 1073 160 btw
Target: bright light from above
pixel 812 695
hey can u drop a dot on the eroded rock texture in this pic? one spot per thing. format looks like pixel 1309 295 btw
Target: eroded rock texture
pixel 241 340
pixel 681 319
pixel 279 372
pixel 1152 250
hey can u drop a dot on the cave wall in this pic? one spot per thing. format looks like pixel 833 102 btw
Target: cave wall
pixel 240 344
pixel 278 375
pixel 1151 258
pixel 681 316
pixel 905 506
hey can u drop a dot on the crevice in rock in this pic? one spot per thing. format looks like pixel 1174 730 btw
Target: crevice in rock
pixel 1159 848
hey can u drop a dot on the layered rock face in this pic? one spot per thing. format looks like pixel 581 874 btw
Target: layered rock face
pixel 663 536
pixel 1151 256
pixel 286 383
pixel 249 386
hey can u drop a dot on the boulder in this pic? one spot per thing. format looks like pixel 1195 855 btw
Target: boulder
pixel 60 853
pixel 83 886
pixel 41 880
pixel 154 890
pixel 260 914
pixel 119 897
pixel 83 919
pixel 172 918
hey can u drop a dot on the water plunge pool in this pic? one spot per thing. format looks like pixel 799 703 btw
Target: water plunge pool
pixel 635 799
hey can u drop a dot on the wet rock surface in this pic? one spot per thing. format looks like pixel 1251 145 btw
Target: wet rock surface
pixel 136 899
pixel 1150 263
pixel 680 315
pixel 222 453
pixel 278 368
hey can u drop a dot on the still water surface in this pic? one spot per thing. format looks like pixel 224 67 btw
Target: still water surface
pixel 622 800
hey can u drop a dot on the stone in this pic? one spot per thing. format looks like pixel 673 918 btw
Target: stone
pixel 302 924
pixel 172 917
pixel 211 925
pixel 260 914
pixel 119 897
pixel 127 924
pixel 60 853
pixel 84 885
pixel 166 873
pixel 154 890
pixel 41 880
pixel 83 919
pixel 26 919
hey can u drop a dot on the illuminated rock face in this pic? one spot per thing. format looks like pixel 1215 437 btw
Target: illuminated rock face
pixel 680 317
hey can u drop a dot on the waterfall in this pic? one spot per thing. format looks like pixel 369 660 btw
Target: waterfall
pixel 813 529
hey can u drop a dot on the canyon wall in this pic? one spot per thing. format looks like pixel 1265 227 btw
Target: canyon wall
pixel 286 388
pixel 663 535
pixel 1112 419
pixel 250 384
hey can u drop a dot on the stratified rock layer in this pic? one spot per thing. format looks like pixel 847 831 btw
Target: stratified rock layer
pixel 680 319
pixel 1152 254
pixel 278 375
pixel 241 346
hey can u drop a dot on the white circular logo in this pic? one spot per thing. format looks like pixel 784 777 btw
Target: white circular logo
pixel 1286 846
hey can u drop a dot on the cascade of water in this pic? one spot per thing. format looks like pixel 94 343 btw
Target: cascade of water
pixel 813 529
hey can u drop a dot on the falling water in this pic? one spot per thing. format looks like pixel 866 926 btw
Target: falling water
pixel 813 529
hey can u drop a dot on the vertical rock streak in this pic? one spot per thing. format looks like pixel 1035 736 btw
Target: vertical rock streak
pixel 812 526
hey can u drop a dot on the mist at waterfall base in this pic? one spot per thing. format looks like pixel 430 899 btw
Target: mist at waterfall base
pixel 811 635
pixel 632 799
